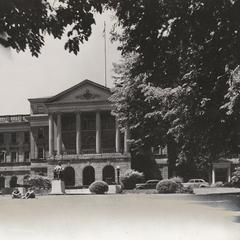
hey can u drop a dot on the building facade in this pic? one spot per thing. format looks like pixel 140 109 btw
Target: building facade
pixel 74 127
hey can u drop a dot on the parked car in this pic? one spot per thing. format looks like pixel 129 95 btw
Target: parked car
pixel 150 184
pixel 196 183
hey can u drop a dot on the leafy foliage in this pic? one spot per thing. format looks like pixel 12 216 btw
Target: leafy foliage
pixel 167 186
pixel 235 180
pixel 98 187
pixel 183 78
pixel 131 178
pixel 38 181
pixel 24 23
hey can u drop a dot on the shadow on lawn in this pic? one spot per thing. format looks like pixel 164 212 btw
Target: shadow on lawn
pixel 229 202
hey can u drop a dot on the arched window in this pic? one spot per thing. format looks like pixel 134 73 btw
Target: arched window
pixel 88 175
pixel 69 176
pixel 109 174
pixel 13 181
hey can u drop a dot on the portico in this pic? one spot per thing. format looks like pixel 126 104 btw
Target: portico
pixel 82 131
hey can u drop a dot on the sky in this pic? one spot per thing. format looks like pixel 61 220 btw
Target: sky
pixel 23 76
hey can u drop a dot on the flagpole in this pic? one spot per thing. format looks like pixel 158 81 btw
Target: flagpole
pixel 105 55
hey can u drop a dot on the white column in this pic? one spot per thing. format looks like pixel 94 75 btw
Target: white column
pixel 98 132
pixel 32 145
pixel 50 140
pixel 78 133
pixel 126 137
pixel 59 134
pixel 229 174
pixel 213 175
pixel 117 138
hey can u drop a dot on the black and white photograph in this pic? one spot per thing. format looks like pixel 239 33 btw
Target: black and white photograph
pixel 120 119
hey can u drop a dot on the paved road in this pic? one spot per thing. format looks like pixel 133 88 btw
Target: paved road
pixel 118 217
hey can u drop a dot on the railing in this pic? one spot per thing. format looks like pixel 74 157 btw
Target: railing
pixel 13 118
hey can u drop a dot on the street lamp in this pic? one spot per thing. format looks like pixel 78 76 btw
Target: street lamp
pixel 118 175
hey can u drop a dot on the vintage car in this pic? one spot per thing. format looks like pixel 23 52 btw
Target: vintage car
pixel 196 183
pixel 150 184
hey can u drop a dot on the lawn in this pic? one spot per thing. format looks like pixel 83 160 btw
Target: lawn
pixel 126 216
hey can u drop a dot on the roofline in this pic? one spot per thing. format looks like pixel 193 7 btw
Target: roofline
pixel 76 86
pixel 44 99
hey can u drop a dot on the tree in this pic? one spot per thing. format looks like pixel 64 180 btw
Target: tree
pixel 131 110
pixel 186 53
pixel 24 23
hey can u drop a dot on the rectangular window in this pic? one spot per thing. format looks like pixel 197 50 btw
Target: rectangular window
pixel 26 156
pixel 40 153
pixel 13 156
pixel 1 138
pixel 40 133
pixel 13 138
pixel 26 137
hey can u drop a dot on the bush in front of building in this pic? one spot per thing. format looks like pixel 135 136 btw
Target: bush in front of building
pixel 167 186
pixel 235 180
pixel 180 187
pixel 131 178
pixel 7 191
pixel 98 187
pixel 38 181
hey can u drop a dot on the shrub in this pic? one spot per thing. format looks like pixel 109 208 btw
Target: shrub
pixel 235 180
pixel 131 178
pixel 38 181
pixel 167 186
pixel 98 187
pixel 188 189
pixel 217 184
pixel 6 191
pixel 228 184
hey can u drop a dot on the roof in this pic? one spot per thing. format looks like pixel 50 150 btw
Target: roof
pixel 52 98
pixel 77 86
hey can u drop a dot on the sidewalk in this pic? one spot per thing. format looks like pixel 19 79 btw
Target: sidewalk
pixel 220 190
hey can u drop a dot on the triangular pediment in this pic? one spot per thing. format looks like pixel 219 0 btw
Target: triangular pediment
pixel 82 92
